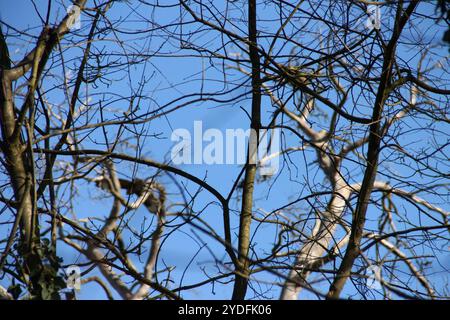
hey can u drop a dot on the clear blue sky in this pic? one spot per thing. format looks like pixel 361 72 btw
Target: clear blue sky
pixel 182 246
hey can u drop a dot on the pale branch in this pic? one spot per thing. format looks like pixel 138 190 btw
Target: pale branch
pixel 26 63
pixel 394 249
pixel 155 247
pixel 4 294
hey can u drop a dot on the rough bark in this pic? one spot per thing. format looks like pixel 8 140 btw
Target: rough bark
pixel 241 281
pixel 373 149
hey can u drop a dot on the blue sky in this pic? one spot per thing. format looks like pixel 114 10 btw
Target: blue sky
pixel 161 73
